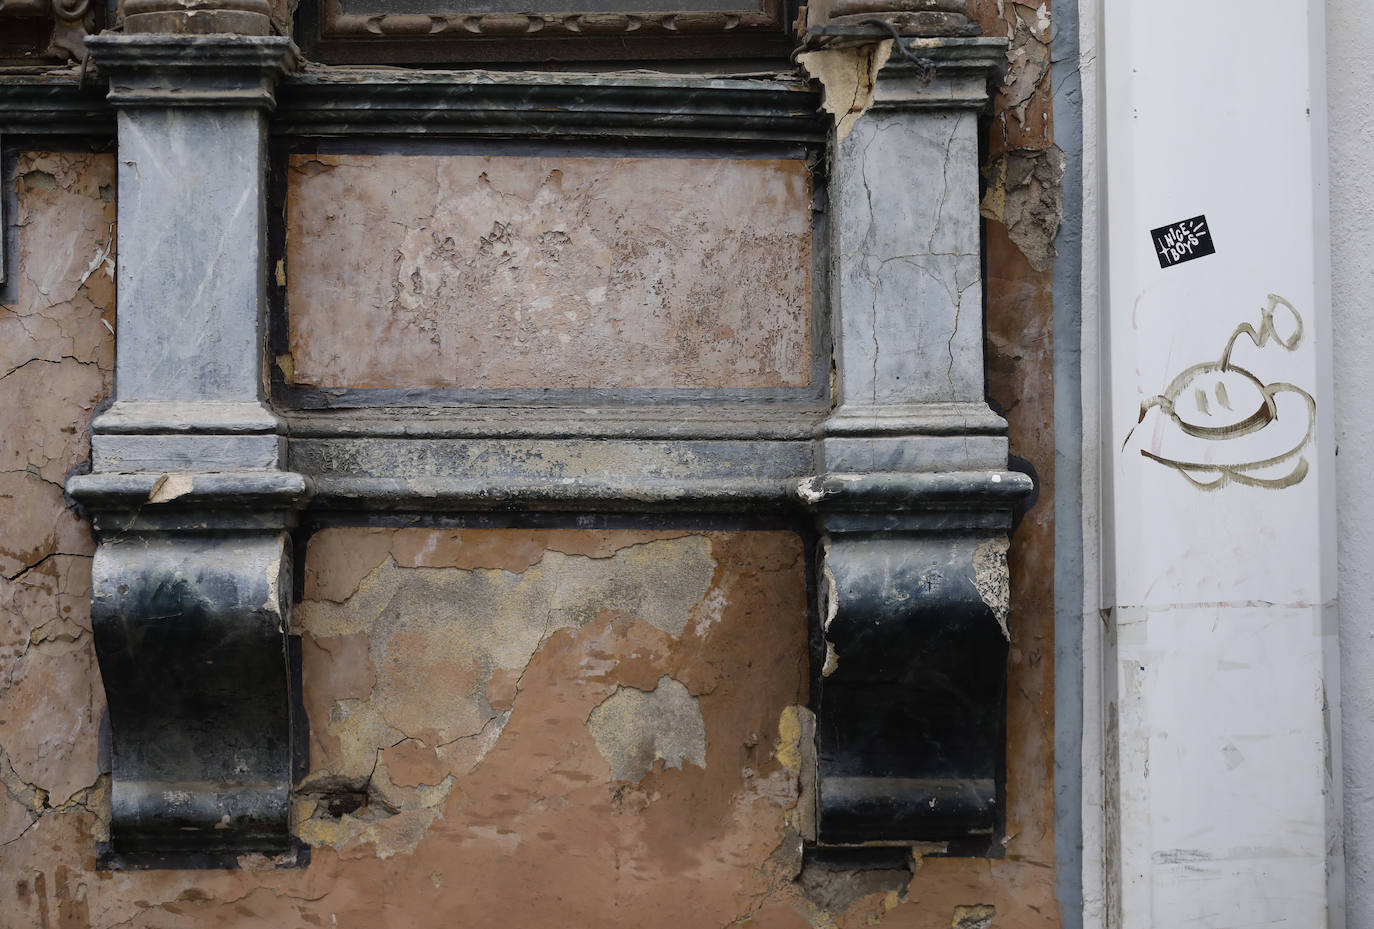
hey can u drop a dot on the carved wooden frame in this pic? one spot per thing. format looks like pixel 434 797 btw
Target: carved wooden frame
pixel 55 30
pixel 326 32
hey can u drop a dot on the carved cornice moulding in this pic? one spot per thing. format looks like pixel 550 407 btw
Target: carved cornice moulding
pixel 522 25
pixel 437 31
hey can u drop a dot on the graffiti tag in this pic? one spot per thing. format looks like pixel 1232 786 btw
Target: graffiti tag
pixel 1219 423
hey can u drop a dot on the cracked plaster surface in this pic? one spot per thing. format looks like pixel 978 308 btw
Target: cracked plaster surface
pixel 514 272
pixel 48 876
pixel 56 357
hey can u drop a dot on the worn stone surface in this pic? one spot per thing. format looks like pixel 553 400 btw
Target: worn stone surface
pixel 902 299
pixel 192 334
pixel 510 272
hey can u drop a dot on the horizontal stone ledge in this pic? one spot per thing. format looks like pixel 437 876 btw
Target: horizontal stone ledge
pixel 359 101
pixel 545 462
pixel 730 495
pixel 647 423
pixel 192 70
pixel 134 417
pixel 578 495
pixel 943 418
pixel 478 105
pixel 886 490
pixel 53 104
pixel 182 489
pixel 186 453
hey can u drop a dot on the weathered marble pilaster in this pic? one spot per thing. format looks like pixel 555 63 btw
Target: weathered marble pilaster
pixel 191 581
pixel 912 495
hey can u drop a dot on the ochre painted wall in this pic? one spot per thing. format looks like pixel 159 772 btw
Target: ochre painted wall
pixel 540 728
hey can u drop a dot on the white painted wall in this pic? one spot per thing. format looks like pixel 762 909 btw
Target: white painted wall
pixel 1350 38
pixel 1219 667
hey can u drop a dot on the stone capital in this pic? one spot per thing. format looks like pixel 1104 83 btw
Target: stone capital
pixel 198 17
pixel 162 70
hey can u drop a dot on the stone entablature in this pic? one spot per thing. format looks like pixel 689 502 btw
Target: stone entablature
pixel 198 480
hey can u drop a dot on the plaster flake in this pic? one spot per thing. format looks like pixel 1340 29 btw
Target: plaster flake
pixel 847 76
pixel 170 486
pixel 991 580
pixel 509 272
pixel 636 729
pixel 1025 193
pixel 978 916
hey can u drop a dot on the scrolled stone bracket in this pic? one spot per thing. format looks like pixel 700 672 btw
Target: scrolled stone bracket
pixel 191 505
pixel 912 602
pixel 191 588
pixel 73 21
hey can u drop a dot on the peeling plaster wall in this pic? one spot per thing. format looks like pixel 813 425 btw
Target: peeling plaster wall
pixel 56 359
pixel 1020 381
pixel 513 727
pixel 1025 169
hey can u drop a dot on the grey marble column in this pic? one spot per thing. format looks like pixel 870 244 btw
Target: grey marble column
pixel 912 493
pixel 192 577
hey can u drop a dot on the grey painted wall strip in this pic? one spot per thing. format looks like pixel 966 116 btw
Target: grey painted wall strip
pixel 1068 498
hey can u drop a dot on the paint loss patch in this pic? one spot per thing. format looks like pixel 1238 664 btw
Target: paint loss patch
pixel 444 666
pixel 634 729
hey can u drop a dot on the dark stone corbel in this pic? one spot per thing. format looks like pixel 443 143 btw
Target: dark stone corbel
pixel 913 600
pixel 190 608
pixel 912 493
pixel 192 509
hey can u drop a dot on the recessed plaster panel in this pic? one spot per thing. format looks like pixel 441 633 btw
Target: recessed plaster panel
pixel 456 271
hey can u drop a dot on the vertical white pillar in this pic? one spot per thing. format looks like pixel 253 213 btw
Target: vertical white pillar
pixel 1221 724
pixel 1350 34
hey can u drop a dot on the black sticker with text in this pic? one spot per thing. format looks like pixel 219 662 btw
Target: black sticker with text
pixel 1183 241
